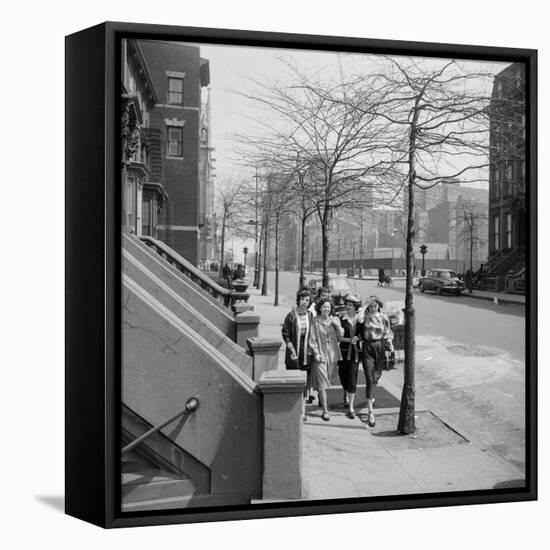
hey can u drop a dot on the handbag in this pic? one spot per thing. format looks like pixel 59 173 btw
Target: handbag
pixel 389 360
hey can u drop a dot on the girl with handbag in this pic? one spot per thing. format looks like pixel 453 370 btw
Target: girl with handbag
pixel 377 336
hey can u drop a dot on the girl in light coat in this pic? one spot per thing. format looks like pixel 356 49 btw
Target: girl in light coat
pixel 326 332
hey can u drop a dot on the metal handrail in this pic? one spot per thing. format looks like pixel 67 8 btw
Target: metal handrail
pixel 191 405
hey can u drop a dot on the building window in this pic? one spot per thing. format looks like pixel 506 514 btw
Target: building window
pixel 496 187
pixel 175 91
pixel 508 230
pixel 509 177
pixel 130 200
pixel 148 219
pixel 175 141
pixel 496 228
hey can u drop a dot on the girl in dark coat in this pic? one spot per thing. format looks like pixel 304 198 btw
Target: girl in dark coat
pixel 376 337
pixel 349 346
pixel 296 330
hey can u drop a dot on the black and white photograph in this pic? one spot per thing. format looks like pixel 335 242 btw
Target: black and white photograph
pixel 325 267
pixel 275 275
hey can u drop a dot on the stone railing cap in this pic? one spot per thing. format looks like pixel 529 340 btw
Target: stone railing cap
pixel 282 381
pixel 247 317
pixel 264 343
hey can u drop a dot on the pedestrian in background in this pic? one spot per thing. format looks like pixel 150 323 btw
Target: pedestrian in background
pixel 377 336
pixel 322 294
pixel 226 273
pixel 295 332
pixel 326 332
pixel 381 276
pixel 348 366
pixel 239 272
pixel 469 280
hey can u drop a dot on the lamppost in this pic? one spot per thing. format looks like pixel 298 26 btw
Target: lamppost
pixel 245 252
pixel 423 250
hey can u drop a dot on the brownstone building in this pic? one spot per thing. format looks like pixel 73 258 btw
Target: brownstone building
pixel 178 74
pixel 507 174
pixel 142 190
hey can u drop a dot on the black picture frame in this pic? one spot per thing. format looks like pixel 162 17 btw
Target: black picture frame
pixel 93 274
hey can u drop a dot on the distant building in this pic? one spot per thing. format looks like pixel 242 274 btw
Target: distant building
pixel 179 74
pixel 460 223
pixel 507 173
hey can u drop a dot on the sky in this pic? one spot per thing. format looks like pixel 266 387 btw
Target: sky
pixel 235 68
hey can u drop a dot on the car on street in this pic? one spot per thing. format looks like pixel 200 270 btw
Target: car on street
pixel 339 288
pixel 442 281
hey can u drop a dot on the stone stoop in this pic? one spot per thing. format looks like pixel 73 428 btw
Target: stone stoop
pixel 158 490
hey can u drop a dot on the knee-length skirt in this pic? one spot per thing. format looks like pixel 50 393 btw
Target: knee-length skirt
pixel 322 374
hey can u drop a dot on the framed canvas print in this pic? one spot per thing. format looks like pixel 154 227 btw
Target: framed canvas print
pixel 301 274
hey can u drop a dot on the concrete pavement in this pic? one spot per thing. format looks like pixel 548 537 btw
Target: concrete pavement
pixel 345 458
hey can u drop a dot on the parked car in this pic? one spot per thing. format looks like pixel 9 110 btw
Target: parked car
pixel 339 288
pixel 441 281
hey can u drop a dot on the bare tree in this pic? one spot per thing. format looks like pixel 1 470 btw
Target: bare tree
pixel 230 196
pixel 436 111
pixel 472 228
pixel 279 195
pixel 339 144
pixel 303 206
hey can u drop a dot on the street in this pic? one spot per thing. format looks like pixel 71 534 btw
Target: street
pixel 470 362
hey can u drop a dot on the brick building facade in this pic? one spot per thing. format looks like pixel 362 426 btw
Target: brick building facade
pixel 178 74
pixel 507 174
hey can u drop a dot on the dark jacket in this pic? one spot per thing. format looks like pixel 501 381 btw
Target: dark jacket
pixel 291 334
pixel 349 332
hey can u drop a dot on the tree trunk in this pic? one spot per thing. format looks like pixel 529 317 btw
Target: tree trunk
pixel 406 424
pixel 266 245
pixel 472 254
pixel 326 245
pixel 276 301
pixel 302 280
pixel 259 276
pixel 222 252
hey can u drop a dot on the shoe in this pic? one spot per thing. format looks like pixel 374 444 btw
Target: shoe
pixel 325 417
pixel 350 415
pixel 371 423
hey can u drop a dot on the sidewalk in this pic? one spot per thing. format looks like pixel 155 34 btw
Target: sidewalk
pixel 345 458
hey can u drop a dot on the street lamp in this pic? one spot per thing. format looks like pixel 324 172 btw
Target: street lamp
pixel 423 250
pixel 245 252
